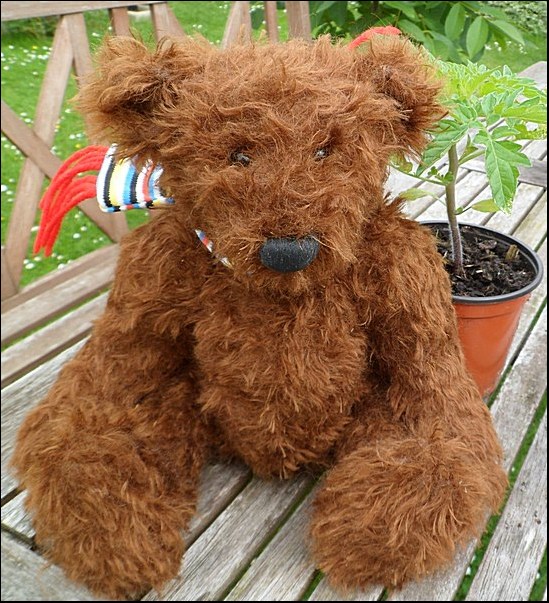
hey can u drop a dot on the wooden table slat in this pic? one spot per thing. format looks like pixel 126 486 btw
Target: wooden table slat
pixel 284 569
pixel 510 565
pixel 26 578
pixel 35 312
pixel 19 398
pixel 42 345
pixel 214 561
pixel 530 310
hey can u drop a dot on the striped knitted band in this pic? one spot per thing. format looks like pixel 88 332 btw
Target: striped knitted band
pixel 121 187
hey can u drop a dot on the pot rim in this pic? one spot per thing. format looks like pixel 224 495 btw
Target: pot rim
pixel 527 251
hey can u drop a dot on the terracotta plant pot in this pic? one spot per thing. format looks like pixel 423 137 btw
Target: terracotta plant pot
pixel 487 325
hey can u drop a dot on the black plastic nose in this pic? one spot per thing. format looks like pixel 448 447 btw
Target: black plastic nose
pixel 288 254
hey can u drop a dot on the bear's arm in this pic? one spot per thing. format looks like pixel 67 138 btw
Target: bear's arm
pixel 144 334
pixel 411 322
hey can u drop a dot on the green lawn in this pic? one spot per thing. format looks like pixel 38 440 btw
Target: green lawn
pixel 25 51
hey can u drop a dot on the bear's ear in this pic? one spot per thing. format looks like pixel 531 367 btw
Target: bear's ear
pixel 404 73
pixel 125 100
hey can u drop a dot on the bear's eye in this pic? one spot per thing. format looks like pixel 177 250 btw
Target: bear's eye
pixel 240 157
pixel 322 153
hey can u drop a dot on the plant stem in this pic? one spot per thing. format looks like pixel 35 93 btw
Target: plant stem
pixel 430 180
pixel 455 237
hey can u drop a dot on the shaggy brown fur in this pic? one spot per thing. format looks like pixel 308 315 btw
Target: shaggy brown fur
pixel 352 363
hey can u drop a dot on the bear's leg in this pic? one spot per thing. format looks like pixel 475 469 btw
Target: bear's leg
pixel 401 497
pixel 112 480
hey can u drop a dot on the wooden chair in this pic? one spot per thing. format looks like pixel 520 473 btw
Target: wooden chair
pixel 247 541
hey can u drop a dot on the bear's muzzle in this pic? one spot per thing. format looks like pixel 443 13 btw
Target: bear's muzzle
pixel 288 254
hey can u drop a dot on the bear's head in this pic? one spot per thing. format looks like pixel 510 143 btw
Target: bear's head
pixel 278 152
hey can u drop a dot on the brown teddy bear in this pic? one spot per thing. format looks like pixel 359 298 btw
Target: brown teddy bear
pixel 319 335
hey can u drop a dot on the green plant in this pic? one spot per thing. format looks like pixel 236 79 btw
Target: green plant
pixel 489 112
pixel 456 31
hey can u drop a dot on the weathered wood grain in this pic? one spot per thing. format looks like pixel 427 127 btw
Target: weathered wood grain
pixel 299 22
pixel 538 72
pixel 325 592
pixel 37 311
pixel 9 284
pixel 219 485
pixel 52 339
pixel 224 550
pixel 28 142
pixel 526 197
pixel 25 577
pixel 19 398
pixel 120 21
pixel 509 567
pixel 239 24
pixel 271 20
pixel 534 225
pixel 29 10
pixel 440 586
pixel 108 254
pixel 83 63
pixel 284 568
pixel 530 310
pixel 29 185
pixel 16 520
pixel 164 21
pixel 519 396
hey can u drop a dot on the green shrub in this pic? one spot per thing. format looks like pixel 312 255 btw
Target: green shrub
pixel 455 31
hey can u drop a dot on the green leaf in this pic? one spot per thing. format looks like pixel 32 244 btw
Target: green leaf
pixel 504 132
pixel 411 29
pixel 325 6
pixel 338 12
pixel 512 152
pixel 535 114
pixel 402 164
pixel 412 194
pixel 484 7
pixel 404 8
pixel 501 175
pixel 444 47
pixel 436 47
pixel 477 36
pixel 258 16
pixel 486 205
pixel 439 146
pixel 455 22
pixel 509 30
pixel 539 133
pixel 469 152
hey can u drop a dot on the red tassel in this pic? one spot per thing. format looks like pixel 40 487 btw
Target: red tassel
pixel 67 191
pixel 388 30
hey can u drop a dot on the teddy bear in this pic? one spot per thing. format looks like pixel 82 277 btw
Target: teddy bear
pixel 318 335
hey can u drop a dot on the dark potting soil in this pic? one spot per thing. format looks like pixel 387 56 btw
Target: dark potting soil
pixel 488 270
